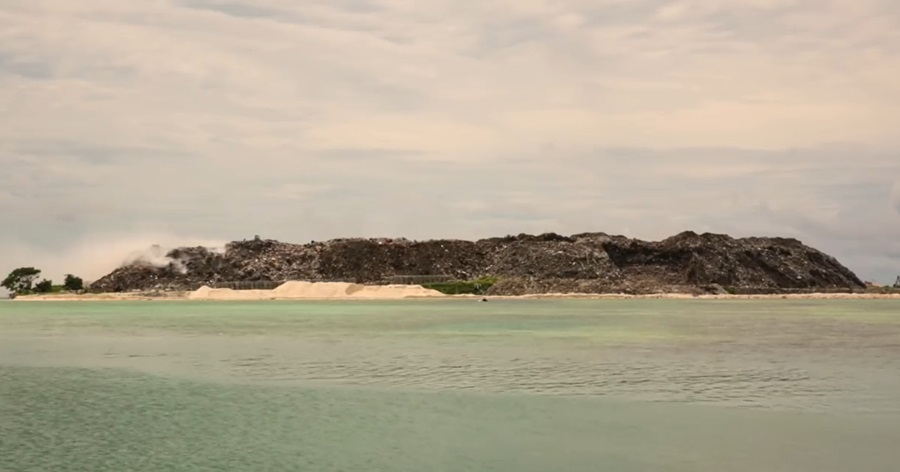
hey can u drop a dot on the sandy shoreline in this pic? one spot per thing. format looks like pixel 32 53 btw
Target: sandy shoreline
pixel 543 296
pixel 297 290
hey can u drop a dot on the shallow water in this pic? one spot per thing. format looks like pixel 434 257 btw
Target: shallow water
pixel 693 385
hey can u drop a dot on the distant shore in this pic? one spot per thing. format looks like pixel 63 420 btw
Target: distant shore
pixel 347 291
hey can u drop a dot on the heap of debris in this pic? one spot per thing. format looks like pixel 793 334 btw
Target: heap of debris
pixel 585 263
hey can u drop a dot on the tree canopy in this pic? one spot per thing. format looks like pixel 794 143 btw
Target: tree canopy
pixel 73 283
pixel 21 279
pixel 44 286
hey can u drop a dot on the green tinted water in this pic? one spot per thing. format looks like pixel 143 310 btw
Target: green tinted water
pixel 451 385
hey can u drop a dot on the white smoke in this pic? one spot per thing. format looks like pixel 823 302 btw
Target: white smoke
pixel 92 258
pixel 155 256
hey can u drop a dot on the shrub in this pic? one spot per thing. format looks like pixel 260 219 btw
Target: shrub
pixel 478 286
pixel 44 286
pixel 72 283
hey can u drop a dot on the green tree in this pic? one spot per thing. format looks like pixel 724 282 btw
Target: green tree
pixel 73 283
pixel 21 279
pixel 44 286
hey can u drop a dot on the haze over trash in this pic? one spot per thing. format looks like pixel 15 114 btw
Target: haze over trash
pixel 128 124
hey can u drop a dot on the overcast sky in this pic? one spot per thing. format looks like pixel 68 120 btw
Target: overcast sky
pixel 128 123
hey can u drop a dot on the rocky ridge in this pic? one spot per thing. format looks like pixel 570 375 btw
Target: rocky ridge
pixel 547 263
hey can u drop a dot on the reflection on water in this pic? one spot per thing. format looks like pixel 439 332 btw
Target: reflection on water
pixel 443 385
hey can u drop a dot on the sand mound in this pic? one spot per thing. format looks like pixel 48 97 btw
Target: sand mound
pixel 396 291
pixel 206 293
pixel 296 290
pixel 200 293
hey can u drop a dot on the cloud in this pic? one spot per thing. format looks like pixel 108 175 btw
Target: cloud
pixel 238 9
pixel 214 120
pixel 895 196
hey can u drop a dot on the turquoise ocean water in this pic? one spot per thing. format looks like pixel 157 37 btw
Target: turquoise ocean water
pixel 451 385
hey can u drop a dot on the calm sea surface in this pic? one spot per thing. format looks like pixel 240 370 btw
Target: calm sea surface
pixel 438 385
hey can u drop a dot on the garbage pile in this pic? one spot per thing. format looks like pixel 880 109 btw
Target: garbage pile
pixel 581 263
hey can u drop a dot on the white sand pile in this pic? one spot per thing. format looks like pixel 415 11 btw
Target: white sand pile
pixel 298 289
pixel 396 291
pixel 206 293
pixel 316 290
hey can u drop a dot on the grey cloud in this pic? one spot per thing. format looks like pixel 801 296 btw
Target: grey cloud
pixel 49 65
pixel 307 14
pixel 895 196
pixel 28 68
pixel 91 153
pixel 618 13
pixel 238 9
pixel 371 153
pixel 507 34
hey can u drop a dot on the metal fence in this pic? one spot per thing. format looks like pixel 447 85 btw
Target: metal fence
pixel 248 284
pixel 416 279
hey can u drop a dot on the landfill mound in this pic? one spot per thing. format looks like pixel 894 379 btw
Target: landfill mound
pixel 523 264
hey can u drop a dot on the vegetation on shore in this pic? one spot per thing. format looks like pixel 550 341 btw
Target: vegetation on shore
pixel 478 286
pixel 883 289
pixel 21 281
